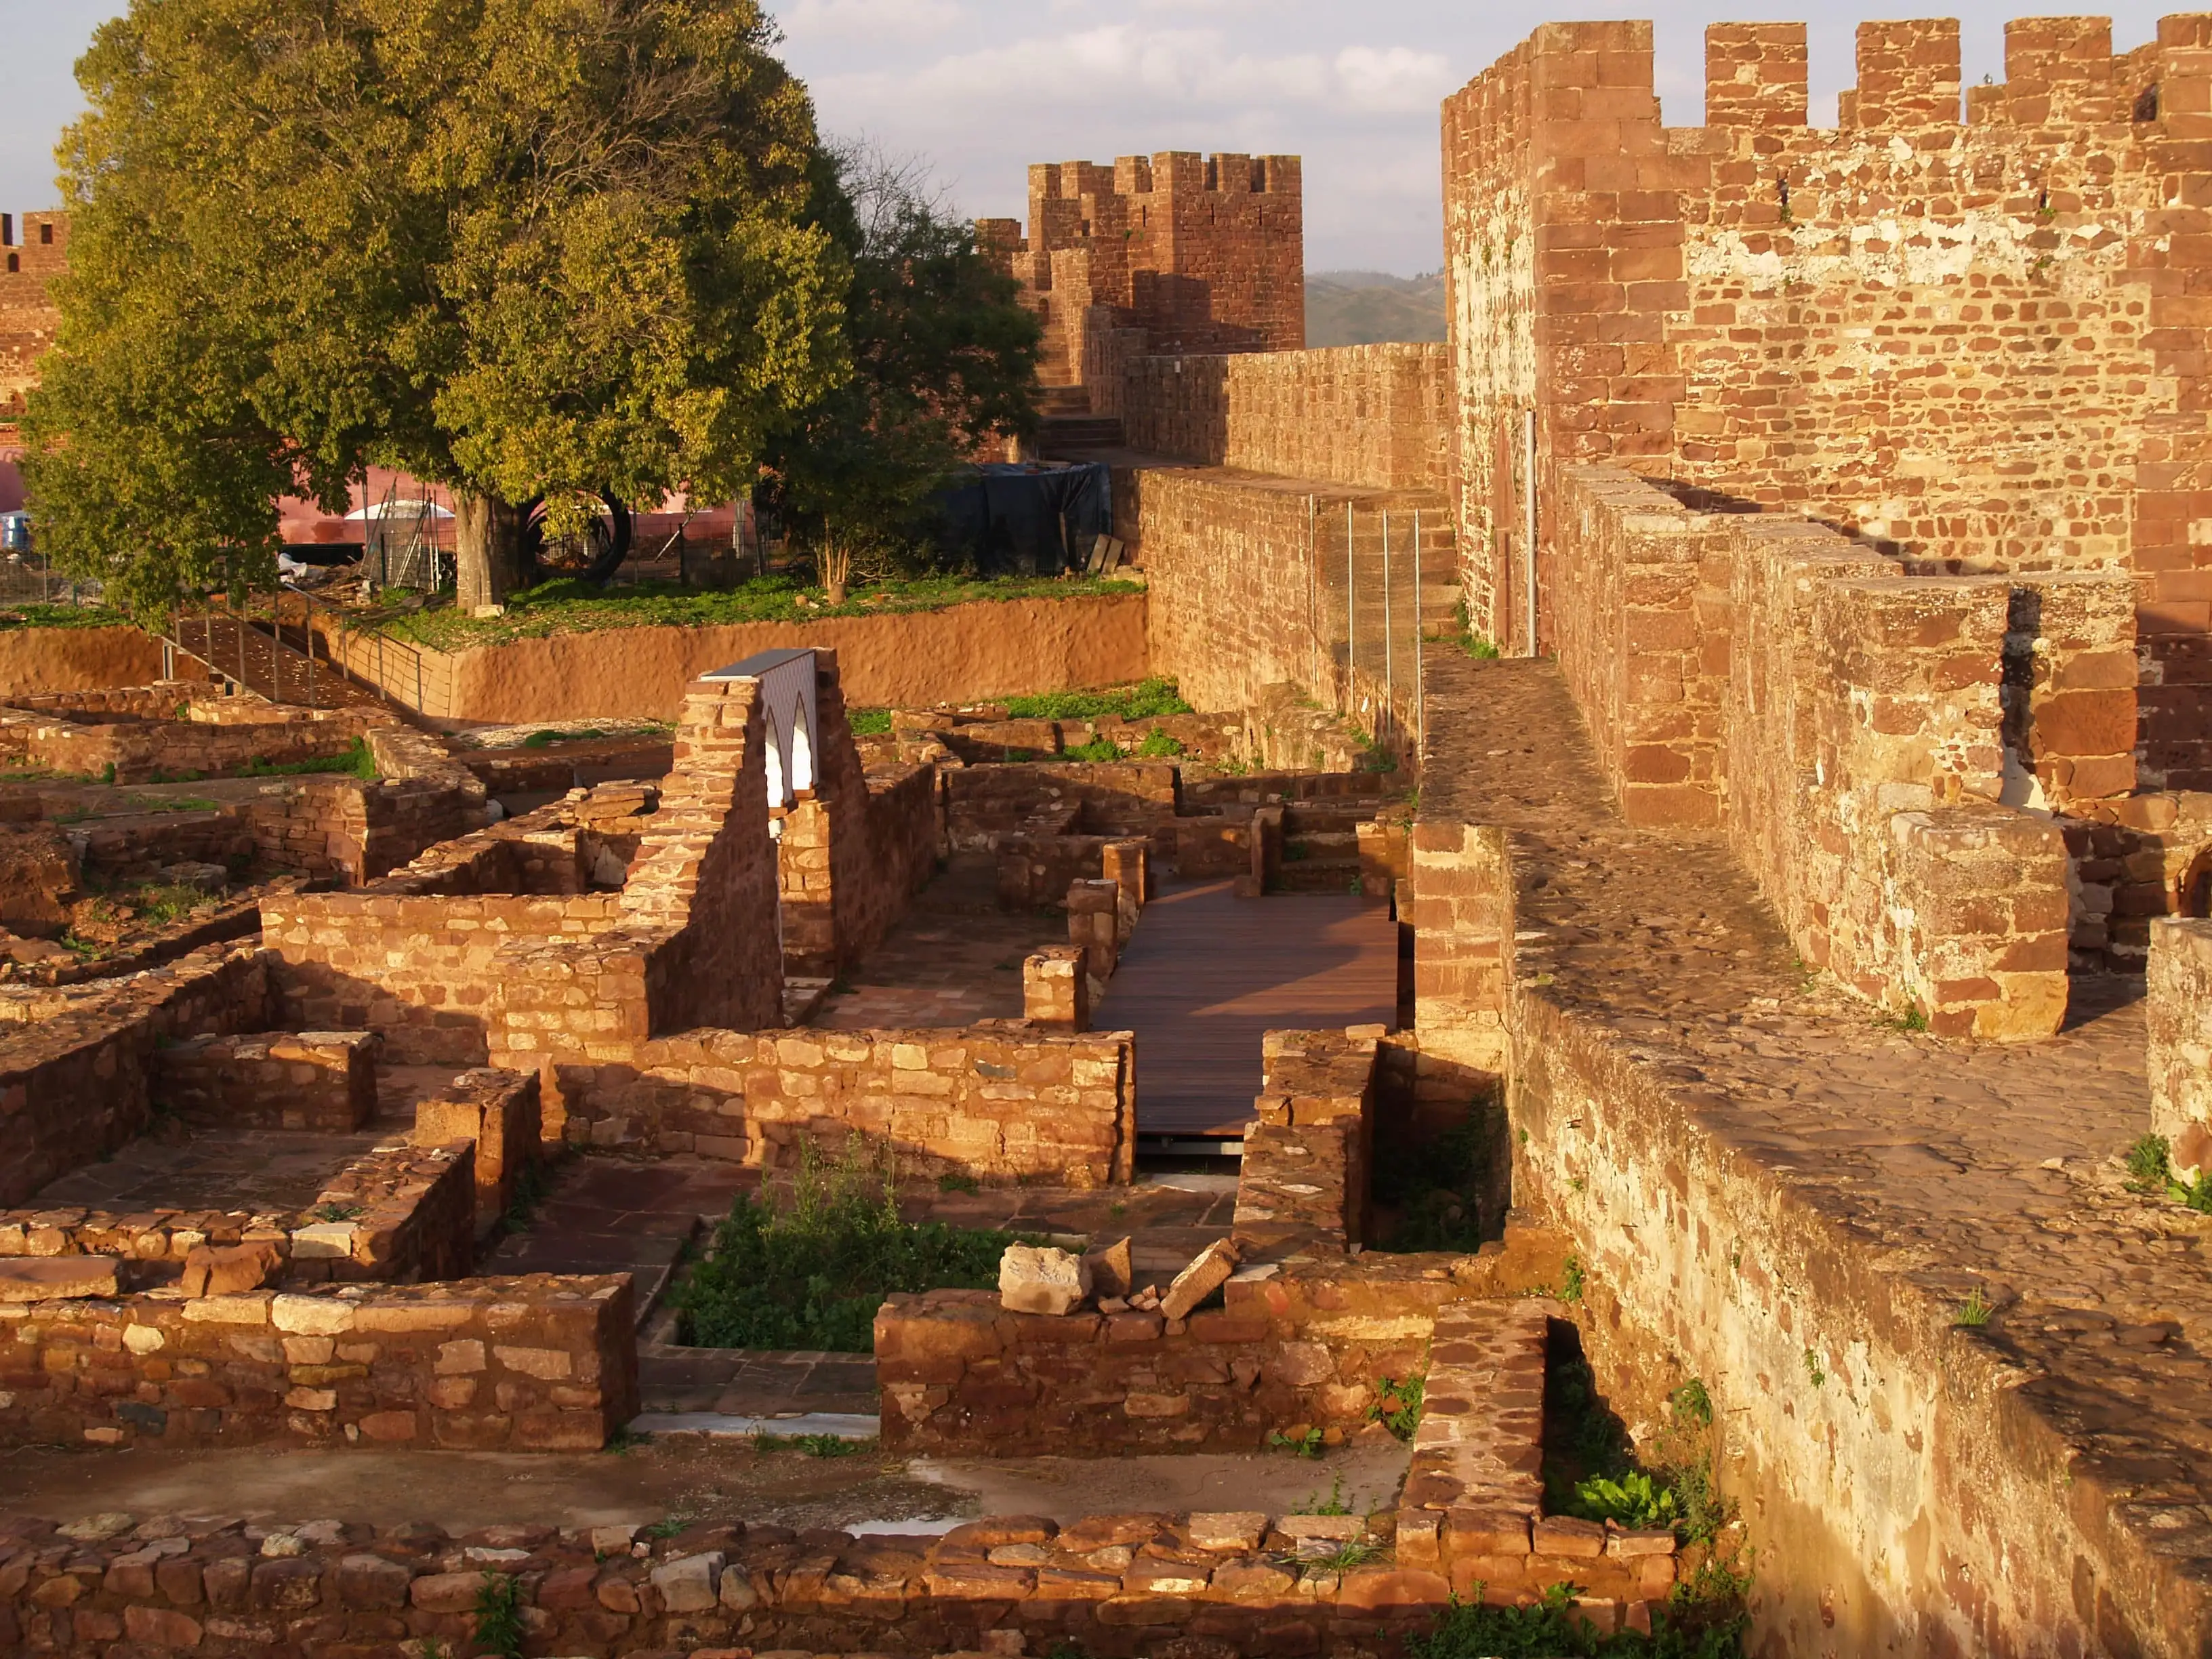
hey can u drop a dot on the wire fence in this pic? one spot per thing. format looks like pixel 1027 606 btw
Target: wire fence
pixel 27 578
pixel 1380 580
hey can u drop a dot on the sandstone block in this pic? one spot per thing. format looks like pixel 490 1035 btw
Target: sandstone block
pixel 1204 1275
pixel 45 1279
pixel 1039 1280
pixel 689 1584
pixel 1112 1269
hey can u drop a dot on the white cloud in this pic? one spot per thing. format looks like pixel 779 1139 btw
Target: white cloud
pixel 868 20
pixel 1395 80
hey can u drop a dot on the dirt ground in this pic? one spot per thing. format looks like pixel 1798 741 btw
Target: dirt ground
pixel 681 1475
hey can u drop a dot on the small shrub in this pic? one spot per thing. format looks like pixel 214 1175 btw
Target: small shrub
pixel 1158 745
pixel 809 1271
pixel 1098 748
pixel 1633 1499
pixel 499 1616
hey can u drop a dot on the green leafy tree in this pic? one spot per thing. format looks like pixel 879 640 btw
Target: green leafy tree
pixel 944 353
pixel 526 248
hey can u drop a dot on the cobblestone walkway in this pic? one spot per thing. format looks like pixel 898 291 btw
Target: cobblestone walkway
pixel 1957 1165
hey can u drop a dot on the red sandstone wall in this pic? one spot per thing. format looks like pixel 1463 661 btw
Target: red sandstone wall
pixel 1964 342
pixel 32 247
pixel 910 659
pixel 1373 416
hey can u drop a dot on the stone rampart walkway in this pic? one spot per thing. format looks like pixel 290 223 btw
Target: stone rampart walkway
pixel 1951 1166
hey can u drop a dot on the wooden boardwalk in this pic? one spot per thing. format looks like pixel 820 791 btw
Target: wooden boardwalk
pixel 1207 973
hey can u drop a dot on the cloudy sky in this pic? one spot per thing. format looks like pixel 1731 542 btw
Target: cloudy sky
pixel 985 87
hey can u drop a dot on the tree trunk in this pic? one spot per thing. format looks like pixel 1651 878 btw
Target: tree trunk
pixel 487 549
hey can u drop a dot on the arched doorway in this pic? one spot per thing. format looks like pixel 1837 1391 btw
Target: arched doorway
pixel 2194 896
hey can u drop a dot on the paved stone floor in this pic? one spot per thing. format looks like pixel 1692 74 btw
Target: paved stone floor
pixel 264 1170
pixel 607 1214
pixel 955 959
pixel 1962 1164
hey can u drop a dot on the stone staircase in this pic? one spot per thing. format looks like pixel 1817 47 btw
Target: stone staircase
pixel 1321 846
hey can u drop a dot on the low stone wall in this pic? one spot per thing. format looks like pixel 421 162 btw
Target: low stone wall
pixel 908 659
pixel 74 1087
pixel 274 1080
pixel 394 1215
pixel 1303 1180
pixel 999 1102
pixel 531 1363
pixel 172 736
pixel 2177 1012
pixel 1295 1347
pixel 1113 1585
pixel 501 1115
pixel 1111 798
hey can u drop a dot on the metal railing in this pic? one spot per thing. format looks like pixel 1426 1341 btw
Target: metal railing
pixel 1379 581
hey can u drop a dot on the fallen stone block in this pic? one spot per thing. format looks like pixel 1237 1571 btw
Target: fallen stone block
pixel 230 1269
pixel 1205 1275
pixel 1042 1280
pixel 1113 1269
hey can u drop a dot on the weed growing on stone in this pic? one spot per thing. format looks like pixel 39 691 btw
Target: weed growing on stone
pixel 1812 1371
pixel 625 1440
pixel 1158 745
pixel 532 1183
pixel 1686 1628
pixel 809 1271
pixel 1571 1282
pixel 1633 1499
pixel 2150 1168
pixel 1464 636
pixel 1975 1309
pixel 1335 1504
pixel 1910 1016
pixel 814 1445
pixel 499 1616
pixel 666 1528
pixel 1308 1444
pixel 1353 1553
pixel 956 1181
pixel 1399 1407
pixel 1098 748
pixel 336 1212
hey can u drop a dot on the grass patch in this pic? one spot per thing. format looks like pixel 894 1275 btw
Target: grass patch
pixel 354 761
pixel 869 722
pixel 1158 745
pixel 1098 748
pixel 1463 636
pixel 809 1271
pixel 1146 698
pixel 814 1445
pixel 61 616
pixel 570 605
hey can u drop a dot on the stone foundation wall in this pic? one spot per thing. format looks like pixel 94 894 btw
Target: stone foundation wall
pixel 1107 798
pixel 1117 1585
pixel 74 1087
pixel 1302 1182
pixel 1371 415
pixel 395 1215
pixel 141 745
pixel 999 1102
pixel 2179 1012
pixel 533 1364
pixel 273 1080
pixel 501 1115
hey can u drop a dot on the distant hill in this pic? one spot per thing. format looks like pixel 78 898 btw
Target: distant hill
pixel 1365 307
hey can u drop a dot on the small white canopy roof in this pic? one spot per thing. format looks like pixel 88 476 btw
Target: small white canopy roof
pixel 400 510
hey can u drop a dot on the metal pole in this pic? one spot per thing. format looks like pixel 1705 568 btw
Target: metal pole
pixel 1313 622
pixel 1350 656
pixel 1420 710
pixel 1389 685
pixel 307 623
pixel 1529 527
pixel 238 623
